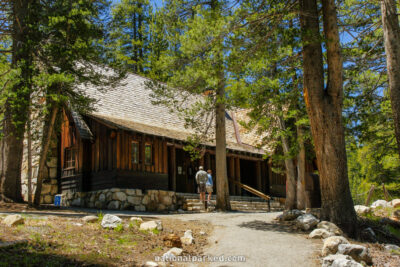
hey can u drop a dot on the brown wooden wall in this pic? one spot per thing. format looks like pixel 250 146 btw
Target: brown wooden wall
pixel 71 179
pixel 112 149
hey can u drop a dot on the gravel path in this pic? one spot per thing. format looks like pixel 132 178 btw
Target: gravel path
pixel 256 237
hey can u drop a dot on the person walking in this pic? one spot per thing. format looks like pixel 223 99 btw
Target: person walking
pixel 209 185
pixel 201 179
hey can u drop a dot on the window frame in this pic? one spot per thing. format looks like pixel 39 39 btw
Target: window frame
pixel 137 154
pixel 150 162
pixel 70 159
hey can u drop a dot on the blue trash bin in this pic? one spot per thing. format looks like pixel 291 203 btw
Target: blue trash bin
pixel 57 200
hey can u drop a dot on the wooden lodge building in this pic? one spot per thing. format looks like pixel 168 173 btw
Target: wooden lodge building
pixel 128 142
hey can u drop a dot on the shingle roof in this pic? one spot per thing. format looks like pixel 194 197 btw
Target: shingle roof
pixel 83 128
pixel 129 106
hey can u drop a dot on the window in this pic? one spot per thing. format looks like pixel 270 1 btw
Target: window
pixel 69 158
pixel 148 155
pixel 135 152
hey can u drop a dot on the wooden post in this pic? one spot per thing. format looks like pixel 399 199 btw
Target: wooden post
pixel 258 175
pixel 232 175
pixel 371 191
pixel 385 192
pixel 207 161
pixel 237 175
pixel 173 166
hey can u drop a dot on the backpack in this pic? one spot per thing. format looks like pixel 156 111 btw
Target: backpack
pixel 201 177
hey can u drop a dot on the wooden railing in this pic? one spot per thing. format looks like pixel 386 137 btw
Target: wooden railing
pixel 251 190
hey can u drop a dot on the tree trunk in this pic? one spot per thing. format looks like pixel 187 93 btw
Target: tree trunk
pixel 135 50
pixel 324 107
pixel 391 33
pixel 17 102
pixel 46 140
pixel 29 137
pixel 302 201
pixel 140 37
pixel 223 201
pixel 290 202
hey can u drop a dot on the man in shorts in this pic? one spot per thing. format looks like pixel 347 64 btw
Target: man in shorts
pixel 201 179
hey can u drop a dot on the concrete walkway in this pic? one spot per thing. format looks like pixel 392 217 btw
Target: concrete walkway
pixel 254 236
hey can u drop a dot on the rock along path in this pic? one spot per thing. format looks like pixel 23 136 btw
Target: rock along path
pixel 255 236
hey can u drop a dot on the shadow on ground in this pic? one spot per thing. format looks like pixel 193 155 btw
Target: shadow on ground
pixel 265 226
pixel 28 254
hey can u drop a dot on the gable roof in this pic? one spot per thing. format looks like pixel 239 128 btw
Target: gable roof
pixel 129 106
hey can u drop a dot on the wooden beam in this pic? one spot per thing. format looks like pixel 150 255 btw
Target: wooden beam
pixel 237 175
pixel 246 157
pixel 173 166
pixel 231 174
pixel 258 175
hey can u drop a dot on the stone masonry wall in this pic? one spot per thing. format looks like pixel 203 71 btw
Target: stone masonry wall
pixel 125 199
pixel 50 185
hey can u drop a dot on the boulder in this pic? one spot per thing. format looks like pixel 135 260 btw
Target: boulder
pixel 290 215
pixel 151 225
pixel 172 240
pixel 172 253
pixel 320 234
pixel 90 219
pixel 13 220
pixel 391 248
pixel 362 210
pixel 306 221
pixel 357 252
pixel 332 243
pixel 187 238
pixel 110 221
pixel 150 264
pixel 330 227
pixel 395 203
pixel 113 205
pixel 380 203
pixel 120 196
pixel 339 260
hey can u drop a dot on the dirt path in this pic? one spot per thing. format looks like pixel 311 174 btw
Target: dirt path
pixel 258 239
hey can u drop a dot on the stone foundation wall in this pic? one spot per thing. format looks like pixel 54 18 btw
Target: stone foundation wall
pixel 125 199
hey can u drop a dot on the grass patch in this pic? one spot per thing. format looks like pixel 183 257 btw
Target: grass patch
pixel 394 231
pixel 119 228
pixel 100 216
pixel 155 231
